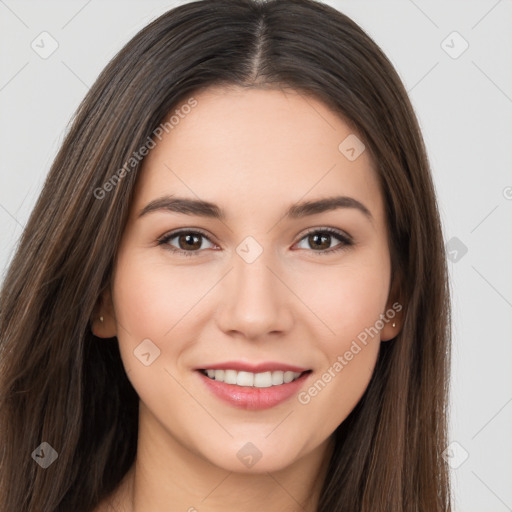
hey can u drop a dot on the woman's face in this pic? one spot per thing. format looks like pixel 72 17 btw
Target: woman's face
pixel 254 286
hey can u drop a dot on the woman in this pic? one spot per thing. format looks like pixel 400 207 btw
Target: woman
pixel 232 291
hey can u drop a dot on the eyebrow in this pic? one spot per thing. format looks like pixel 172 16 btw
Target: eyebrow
pixel 201 208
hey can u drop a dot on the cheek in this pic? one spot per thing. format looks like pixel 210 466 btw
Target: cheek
pixel 348 337
pixel 151 298
pixel 349 355
pixel 347 299
pixel 152 303
pixel 337 387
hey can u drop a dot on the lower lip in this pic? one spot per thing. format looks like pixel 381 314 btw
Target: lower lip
pixel 252 398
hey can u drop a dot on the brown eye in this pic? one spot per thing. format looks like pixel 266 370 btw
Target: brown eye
pixel 188 242
pixel 320 241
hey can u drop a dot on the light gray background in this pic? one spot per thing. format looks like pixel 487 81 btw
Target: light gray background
pixel 464 106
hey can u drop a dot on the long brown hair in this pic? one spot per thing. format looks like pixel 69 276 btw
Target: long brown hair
pixel 62 385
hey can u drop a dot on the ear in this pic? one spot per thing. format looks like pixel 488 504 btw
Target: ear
pixel 393 316
pixel 103 322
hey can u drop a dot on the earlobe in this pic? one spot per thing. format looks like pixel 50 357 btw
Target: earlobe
pixel 390 330
pixel 393 320
pixel 393 316
pixel 103 323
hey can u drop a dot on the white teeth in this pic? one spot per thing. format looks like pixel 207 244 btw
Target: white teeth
pixel 229 377
pixel 244 379
pixel 263 380
pixel 288 376
pixel 277 378
pixel 248 379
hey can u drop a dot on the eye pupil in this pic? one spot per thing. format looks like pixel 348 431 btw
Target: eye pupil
pixel 317 236
pixel 189 243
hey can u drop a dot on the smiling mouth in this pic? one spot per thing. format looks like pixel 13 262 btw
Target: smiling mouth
pixel 248 379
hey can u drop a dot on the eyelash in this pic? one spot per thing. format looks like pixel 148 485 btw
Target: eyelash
pixel 346 241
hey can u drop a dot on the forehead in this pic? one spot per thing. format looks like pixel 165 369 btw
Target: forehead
pixel 244 146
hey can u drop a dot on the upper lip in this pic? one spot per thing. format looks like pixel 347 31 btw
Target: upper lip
pixel 270 366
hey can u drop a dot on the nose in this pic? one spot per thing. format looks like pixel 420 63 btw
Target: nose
pixel 255 300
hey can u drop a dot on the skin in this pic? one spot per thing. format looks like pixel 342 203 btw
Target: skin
pixel 253 152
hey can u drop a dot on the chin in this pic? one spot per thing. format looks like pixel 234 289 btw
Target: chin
pixel 253 457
